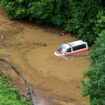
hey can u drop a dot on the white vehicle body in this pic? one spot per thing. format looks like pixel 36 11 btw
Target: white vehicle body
pixel 69 48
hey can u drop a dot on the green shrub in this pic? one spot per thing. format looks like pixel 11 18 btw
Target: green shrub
pixel 94 87
pixel 78 17
pixel 8 94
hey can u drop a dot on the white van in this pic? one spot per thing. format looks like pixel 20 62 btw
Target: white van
pixel 70 48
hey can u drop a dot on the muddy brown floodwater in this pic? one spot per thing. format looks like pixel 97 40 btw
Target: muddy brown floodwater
pixel 32 48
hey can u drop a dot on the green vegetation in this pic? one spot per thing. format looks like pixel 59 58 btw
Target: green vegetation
pixel 94 87
pixel 8 93
pixel 77 17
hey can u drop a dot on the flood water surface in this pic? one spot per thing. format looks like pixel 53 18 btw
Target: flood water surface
pixel 49 64
pixel 32 48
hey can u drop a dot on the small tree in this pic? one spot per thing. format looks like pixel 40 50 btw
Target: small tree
pixel 94 87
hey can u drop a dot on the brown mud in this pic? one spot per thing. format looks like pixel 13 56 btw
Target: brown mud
pixel 56 81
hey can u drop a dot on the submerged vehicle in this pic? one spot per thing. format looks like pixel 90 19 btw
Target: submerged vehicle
pixel 71 48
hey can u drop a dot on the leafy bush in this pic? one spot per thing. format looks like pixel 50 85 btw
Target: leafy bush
pixel 78 17
pixel 94 87
pixel 8 94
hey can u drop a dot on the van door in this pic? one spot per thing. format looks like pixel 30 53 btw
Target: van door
pixel 68 51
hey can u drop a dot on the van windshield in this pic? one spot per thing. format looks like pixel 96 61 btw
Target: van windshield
pixel 62 49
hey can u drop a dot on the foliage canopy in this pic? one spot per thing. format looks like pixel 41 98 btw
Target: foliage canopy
pixel 95 86
pixel 78 17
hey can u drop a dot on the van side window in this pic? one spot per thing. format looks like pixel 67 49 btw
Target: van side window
pixel 68 51
pixel 79 47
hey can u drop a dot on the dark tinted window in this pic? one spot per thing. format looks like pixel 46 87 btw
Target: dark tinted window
pixel 69 50
pixel 79 47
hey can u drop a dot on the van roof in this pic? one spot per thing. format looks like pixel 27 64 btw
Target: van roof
pixel 66 46
pixel 75 43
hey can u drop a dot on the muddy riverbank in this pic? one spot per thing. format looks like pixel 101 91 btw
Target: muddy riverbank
pixel 32 48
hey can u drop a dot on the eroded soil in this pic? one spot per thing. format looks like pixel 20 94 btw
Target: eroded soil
pixel 32 48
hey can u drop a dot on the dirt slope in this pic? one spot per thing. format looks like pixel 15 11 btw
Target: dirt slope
pixel 32 47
